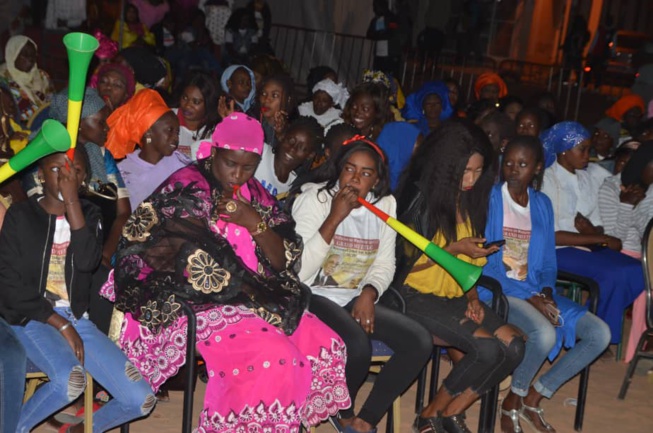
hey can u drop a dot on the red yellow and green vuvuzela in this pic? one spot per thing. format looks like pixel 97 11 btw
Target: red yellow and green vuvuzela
pixel 464 273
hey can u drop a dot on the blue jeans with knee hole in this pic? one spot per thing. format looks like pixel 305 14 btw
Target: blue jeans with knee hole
pixel 132 396
pixel 12 378
pixel 592 334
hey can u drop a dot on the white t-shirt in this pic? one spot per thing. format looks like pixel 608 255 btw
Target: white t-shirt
pixel 188 141
pixel 517 229
pixel 268 178
pixel 362 251
pixel 353 250
pixel 55 287
pixel 571 194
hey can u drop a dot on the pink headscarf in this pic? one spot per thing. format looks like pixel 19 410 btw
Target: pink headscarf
pixel 237 131
pixel 108 48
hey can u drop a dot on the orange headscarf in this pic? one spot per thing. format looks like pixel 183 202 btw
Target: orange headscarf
pixel 128 123
pixel 624 104
pixel 490 78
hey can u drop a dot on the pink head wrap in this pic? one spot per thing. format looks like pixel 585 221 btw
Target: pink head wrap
pixel 107 49
pixel 237 131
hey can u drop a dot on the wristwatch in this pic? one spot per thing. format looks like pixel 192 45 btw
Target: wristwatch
pixel 260 228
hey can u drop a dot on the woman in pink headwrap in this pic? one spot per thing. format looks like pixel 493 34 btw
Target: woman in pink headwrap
pixel 115 84
pixel 106 51
pixel 212 236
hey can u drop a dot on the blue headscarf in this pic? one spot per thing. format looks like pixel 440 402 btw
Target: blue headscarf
pixel 560 138
pixel 413 109
pixel 226 75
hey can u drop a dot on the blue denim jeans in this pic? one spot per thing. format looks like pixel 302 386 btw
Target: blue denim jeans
pixel 12 378
pixel 592 334
pixel 51 353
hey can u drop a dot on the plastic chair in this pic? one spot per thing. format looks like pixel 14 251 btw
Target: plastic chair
pixel 647 264
pixel 35 378
pixel 585 284
pixel 489 402
pixel 191 367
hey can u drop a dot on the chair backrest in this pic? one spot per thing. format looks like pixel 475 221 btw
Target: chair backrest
pixel 647 264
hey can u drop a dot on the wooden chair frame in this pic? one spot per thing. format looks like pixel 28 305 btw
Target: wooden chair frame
pixel 34 379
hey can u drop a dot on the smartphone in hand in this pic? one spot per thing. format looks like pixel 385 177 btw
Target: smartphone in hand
pixel 498 243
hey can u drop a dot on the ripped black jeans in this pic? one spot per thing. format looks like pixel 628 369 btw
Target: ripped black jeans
pixel 487 361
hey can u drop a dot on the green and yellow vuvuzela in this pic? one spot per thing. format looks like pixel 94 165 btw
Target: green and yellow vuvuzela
pixel 464 273
pixel 52 138
pixel 80 47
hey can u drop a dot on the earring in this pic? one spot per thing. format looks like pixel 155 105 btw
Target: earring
pixel 148 140
pixel 564 153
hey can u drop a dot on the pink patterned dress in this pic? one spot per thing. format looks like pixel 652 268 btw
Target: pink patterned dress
pixel 271 365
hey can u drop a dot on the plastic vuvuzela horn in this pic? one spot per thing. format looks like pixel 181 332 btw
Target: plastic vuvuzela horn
pixel 464 273
pixel 52 138
pixel 80 47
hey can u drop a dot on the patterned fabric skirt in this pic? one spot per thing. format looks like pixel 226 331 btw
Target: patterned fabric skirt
pixel 260 380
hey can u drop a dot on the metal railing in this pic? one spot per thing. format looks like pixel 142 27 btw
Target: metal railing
pixel 301 49
pixel 419 67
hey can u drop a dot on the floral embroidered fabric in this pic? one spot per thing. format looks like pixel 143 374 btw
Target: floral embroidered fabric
pixel 271 366
pixel 175 244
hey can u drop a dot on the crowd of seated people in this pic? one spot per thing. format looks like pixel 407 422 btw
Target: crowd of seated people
pixel 201 177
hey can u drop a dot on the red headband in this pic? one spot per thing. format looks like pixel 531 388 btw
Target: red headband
pixel 356 138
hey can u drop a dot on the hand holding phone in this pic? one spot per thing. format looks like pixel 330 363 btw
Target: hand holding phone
pixel 498 243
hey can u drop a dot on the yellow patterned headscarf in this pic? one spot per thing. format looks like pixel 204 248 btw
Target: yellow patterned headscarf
pixel 388 81
pixel 31 82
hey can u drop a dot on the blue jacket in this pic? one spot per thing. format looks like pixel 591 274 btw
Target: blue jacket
pixel 397 139
pixel 542 265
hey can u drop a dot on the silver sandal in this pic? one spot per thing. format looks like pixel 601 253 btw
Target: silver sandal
pixel 540 413
pixel 513 414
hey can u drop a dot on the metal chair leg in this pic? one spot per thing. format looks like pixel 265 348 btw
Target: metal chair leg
pixel 488 412
pixel 419 394
pixel 435 371
pixel 187 422
pixel 632 365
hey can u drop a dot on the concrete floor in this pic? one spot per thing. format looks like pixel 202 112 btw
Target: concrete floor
pixel 604 412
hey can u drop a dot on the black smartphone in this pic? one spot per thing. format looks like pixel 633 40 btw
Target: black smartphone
pixel 498 243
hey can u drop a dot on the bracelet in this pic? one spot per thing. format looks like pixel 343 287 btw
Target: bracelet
pixel 71 202
pixel 64 327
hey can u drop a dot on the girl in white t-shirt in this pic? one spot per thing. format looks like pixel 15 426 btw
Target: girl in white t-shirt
pixel 349 261
pixel 278 167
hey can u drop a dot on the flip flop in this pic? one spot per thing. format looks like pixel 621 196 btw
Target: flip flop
pixel 69 416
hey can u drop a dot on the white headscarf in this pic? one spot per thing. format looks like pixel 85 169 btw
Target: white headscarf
pixel 29 82
pixel 338 92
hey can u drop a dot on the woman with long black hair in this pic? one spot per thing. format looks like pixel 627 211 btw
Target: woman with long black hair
pixel 448 204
